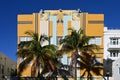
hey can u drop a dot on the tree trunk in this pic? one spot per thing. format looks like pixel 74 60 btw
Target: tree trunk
pixel 51 65
pixel 33 69
pixel 73 69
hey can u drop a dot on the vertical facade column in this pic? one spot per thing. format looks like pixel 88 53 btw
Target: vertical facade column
pixel 65 24
pixel 36 22
pixel 54 20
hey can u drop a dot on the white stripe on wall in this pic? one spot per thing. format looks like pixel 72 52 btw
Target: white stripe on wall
pixel 76 25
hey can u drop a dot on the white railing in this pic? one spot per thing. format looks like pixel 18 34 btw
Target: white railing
pixel 113 45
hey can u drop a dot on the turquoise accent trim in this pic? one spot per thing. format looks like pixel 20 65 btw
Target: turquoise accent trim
pixel 65 24
pixel 54 19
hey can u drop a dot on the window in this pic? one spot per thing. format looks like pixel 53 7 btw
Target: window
pixel 8 70
pixel 68 60
pixel 58 39
pixel 59 59
pixel 114 41
pixel 96 40
pixel 119 70
pixel 97 61
pixel 2 69
pixel 25 39
pixel 114 53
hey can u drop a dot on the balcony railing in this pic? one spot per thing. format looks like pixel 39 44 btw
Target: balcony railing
pixel 113 46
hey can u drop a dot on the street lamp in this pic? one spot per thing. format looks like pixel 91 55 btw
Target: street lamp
pixel 107 75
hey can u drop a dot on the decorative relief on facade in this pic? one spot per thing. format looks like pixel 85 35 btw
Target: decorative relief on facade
pixel 44 16
pixel 76 16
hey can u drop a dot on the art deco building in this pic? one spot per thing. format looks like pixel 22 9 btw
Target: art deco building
pixel 55 23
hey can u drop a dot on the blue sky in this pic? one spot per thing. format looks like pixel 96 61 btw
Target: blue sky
pixel 9 9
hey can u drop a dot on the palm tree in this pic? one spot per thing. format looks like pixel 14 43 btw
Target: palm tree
pixel 90 65
pixel 76 42
pixel 60 69
pixel 33 51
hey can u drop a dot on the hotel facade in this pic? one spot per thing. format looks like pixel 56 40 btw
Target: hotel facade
pixel 55 24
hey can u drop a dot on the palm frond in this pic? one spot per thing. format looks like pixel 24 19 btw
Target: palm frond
pixel 30 33
pixel 24 44
pixel 24 53
pixel 23 65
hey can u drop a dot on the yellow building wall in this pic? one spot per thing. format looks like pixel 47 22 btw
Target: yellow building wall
pixel 22 28
pixel 60 29
pixel 26 72
pixel 95 29
pixel 69 26
pixel 50 28
pixel 96 17
pixel 60 15
pixel 98 55
pixel 38 24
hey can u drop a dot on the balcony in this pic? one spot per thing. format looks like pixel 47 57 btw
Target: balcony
pixel 113 46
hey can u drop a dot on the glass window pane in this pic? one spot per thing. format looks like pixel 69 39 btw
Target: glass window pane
pixel 25 38
pixel 58 39
pixel 119 70
pixel 98 60
pixel 96 40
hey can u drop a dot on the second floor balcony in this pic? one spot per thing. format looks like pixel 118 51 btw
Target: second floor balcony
pixel 113 46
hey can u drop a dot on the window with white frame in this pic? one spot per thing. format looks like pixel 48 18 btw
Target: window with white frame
pixel 114 41
pixel 27 38
pixel 114 53
pixel 96 40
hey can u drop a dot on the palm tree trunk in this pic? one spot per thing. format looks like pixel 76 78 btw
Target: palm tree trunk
pixel 88 76
pixel 51 65
pixel 103 77
pixel 39 67
pixel 83 74
pixel 73 65
pixel 33 69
